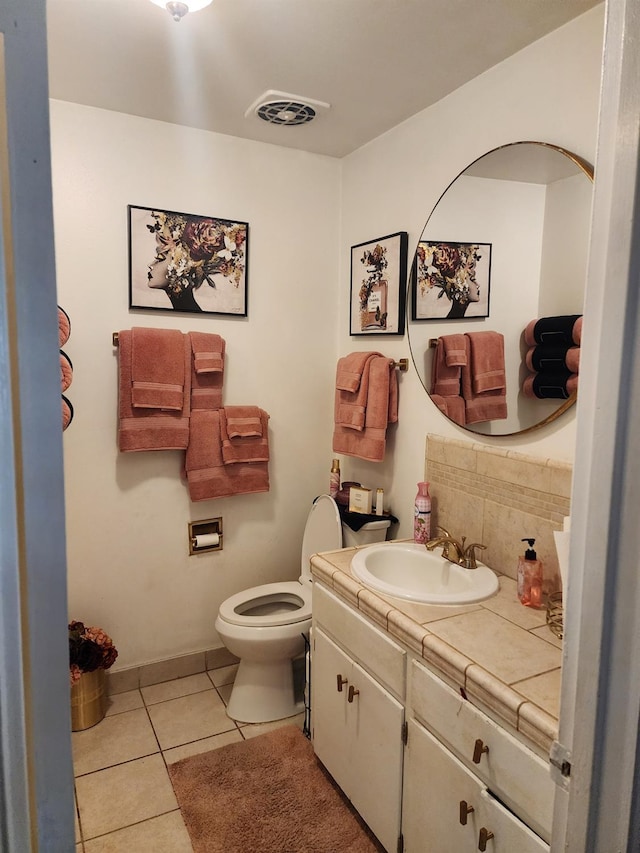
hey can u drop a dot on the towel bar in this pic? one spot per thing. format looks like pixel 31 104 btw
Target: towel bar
pixel 402 364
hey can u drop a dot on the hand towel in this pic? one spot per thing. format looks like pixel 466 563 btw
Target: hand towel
pixel 252 448
pixel 150 429
pixel 244 422
pixel 157 369
pixel 550 386
pixel 350 406
pixel 380 410
pixel 64 327
pixel 66 371
pixel 553 330
pixel 455 353
pixel 208 476
pixel 553 359
pixel 445 379
pixel 207 372
pixel 208 352
pixel 452 407
pixel 487 361
pixel 350 370
pixel 485 406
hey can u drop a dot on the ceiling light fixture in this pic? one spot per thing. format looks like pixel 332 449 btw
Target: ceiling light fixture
pixel 179 8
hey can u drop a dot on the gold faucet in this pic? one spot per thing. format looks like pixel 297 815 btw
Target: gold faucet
pixel 455 551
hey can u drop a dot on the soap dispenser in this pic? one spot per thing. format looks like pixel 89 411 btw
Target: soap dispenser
pixel 530 577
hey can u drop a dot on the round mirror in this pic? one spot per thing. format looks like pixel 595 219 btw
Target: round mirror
pixel 497 287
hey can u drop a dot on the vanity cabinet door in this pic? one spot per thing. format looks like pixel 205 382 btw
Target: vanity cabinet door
pixel 357 734
pixel 446 809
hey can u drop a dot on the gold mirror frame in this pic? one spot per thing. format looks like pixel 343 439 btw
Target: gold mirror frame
pixel 587 169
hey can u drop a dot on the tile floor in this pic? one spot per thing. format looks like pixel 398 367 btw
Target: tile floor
pixel 124 798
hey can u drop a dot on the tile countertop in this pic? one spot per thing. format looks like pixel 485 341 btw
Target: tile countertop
pixel 503 654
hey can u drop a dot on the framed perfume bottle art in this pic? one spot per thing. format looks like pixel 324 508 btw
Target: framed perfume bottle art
pixel 378 277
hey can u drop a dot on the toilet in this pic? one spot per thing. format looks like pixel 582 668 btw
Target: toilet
pixel 265 626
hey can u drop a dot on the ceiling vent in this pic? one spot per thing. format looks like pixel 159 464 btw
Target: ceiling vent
pixel 285 109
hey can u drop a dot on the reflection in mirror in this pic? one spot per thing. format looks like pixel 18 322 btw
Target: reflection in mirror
pixel 506 244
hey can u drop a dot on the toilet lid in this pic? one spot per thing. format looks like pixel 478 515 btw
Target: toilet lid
pixel 268 605
pixel 323 531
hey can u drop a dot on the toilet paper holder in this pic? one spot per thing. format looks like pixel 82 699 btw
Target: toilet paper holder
pixel 205 535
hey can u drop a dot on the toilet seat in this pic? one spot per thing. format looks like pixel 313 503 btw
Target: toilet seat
pixel 268 605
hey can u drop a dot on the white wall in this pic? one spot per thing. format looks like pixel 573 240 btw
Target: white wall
pixel 127 514
pixel 547 92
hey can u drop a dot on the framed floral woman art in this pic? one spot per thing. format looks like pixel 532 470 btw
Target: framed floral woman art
pixel 378 279
pixel 184 262
pixel 450 281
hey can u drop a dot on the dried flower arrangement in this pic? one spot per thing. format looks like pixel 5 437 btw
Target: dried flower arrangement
pixel 89 649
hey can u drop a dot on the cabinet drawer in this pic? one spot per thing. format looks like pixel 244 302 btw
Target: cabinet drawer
pixel 509 769
pixel 372 648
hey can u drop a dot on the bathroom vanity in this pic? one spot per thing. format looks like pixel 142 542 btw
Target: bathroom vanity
pixel 437 747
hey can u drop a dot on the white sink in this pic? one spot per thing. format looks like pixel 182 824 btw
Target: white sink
pixel 407 570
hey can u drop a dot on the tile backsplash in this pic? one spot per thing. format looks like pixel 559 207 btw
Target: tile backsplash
pixel 498 497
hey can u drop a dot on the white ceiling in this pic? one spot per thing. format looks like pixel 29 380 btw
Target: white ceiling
pixel 376 62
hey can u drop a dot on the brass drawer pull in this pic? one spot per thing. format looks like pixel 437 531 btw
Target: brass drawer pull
pixel 352 692
pixel 465 809
pixel 485 835
pixel 478 750
pixel 341 681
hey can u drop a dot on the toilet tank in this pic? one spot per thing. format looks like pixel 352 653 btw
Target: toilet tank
pixel 369 533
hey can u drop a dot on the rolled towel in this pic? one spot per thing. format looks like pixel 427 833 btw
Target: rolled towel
pixel 553 359
pixel 64 327
pixel 67 412
pixel 66 371
pixel 550 386
pixel 577 332
pixel 551 330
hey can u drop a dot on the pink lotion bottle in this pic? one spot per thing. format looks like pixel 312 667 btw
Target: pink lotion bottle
pixel 530 577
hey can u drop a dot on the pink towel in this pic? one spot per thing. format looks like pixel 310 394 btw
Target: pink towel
pixel 67 413
pixel 452 407
pixel 207 475
pixel 244 422
pixel 350 370
pixel 455 353
pixel 445 380
pixel 208 352
pixel 64 327
pixel 381 409
pixel 350 406
pixel 485 406
pixel 66 371
pixel 547 359
pixel 207 373
pixel 248 448
pixel 576 332
pixel 157 369
pixel 487 361
pixel 563 329
pixel 150 429
pixel 550 386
